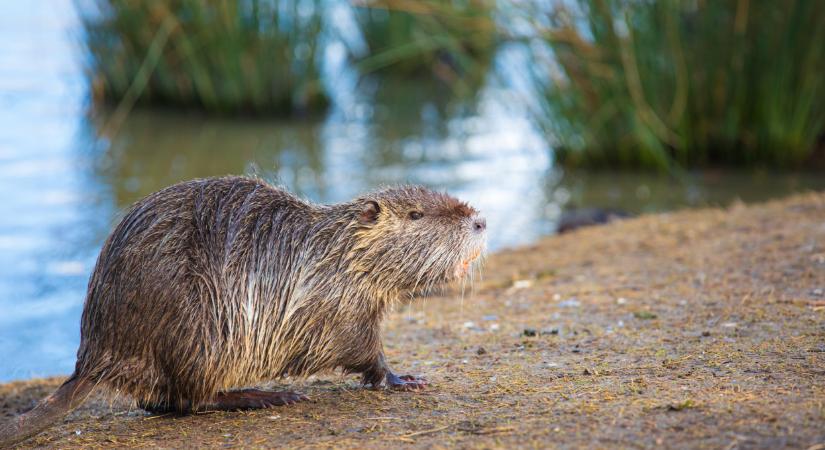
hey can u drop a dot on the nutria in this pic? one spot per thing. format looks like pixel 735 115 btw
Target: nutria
pixel 211 286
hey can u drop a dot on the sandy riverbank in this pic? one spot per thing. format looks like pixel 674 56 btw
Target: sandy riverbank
pixel 693 329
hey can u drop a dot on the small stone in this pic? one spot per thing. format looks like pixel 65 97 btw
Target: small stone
pixel 522 284
pixel 571 302
pixel 550 331
pixel 729 325
pixel 621 301
pixel 494 327
pixel 706 333
pixel 530 332
pixel 481 351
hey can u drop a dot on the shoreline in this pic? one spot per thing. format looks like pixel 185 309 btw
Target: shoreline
pixel 697 328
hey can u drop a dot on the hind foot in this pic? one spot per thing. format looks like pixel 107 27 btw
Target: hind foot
pixel 253 399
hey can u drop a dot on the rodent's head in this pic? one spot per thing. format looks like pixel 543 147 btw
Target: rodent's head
pixel 414 238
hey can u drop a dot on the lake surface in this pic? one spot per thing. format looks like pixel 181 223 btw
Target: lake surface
pixel 66 174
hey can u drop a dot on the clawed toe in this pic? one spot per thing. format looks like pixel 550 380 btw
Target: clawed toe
pixel 406 382
pixel 413 378
pixel 287 398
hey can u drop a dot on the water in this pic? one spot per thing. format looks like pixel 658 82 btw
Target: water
pixel 66 176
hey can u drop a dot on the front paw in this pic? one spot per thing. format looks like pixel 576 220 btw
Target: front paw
pixel 405 382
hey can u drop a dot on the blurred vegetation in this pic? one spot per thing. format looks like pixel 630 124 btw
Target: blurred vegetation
pixel 657 84
pixel 222 56
pixel 451 39
pixel 619 83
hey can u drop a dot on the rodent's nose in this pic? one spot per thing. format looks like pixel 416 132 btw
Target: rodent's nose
pixel 479 225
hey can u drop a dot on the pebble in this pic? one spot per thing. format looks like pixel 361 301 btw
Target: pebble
pixel 522 284
pixel 570 303
pixel 530 332
pixel 481 351
pixel 621 301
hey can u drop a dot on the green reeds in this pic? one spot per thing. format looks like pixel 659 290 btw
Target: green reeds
pixel 451 39
pixel 222 56
pixel 660 84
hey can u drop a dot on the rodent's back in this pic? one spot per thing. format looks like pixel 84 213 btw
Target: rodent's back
pixel 173 294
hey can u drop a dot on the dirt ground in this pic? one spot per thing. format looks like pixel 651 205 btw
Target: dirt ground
pixel 696 329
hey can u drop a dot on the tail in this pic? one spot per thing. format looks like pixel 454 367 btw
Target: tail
pixel 67 397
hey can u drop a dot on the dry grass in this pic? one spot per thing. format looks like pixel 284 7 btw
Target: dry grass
pixel 694 329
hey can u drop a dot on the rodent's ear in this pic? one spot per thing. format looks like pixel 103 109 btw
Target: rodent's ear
pixel 369 212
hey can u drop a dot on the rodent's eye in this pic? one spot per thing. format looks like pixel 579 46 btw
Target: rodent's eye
pixel 415 215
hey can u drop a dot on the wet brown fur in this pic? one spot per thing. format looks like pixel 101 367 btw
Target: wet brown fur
pixel 217 284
